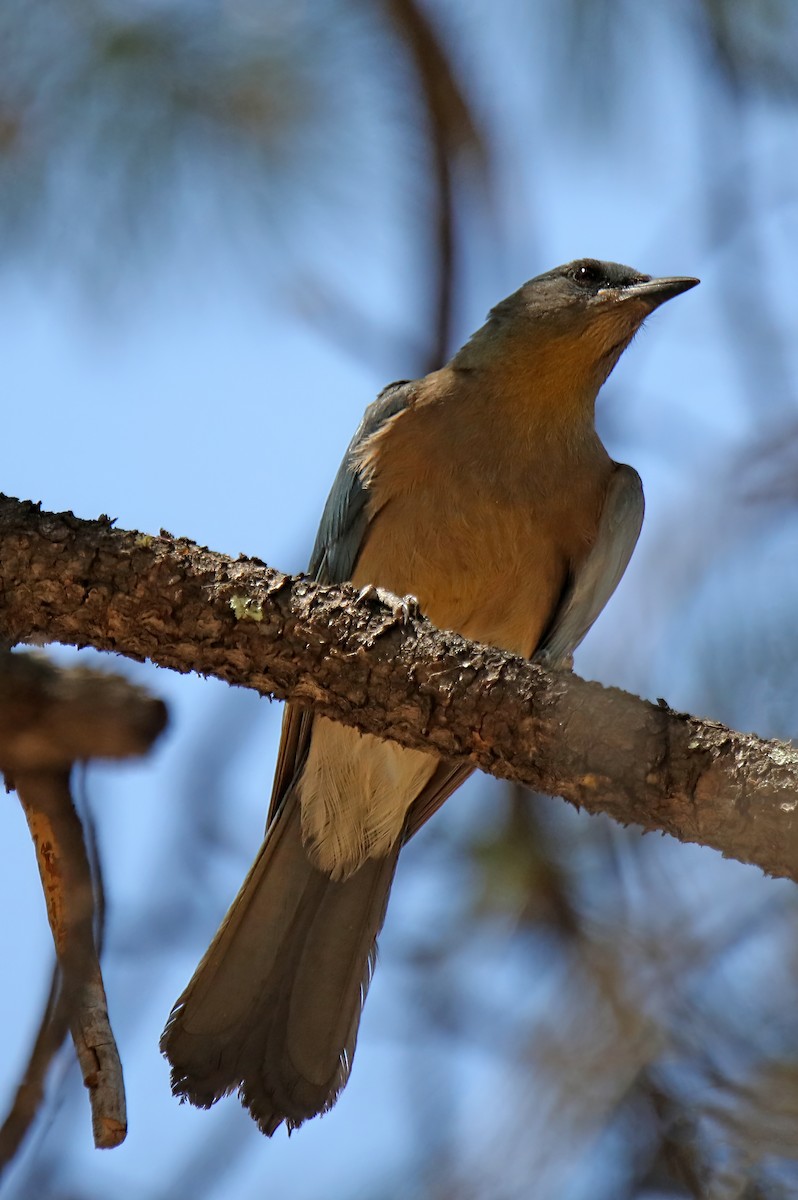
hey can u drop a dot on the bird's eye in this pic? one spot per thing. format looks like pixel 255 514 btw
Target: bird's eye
pixel 588 274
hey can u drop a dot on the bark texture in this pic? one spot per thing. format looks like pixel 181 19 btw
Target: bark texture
pixel 381 667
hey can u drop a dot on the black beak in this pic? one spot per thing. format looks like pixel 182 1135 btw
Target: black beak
pixel 654 292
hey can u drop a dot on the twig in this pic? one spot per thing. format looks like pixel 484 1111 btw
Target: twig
pixel 66 879
pixel 453 132
pixel 53 1028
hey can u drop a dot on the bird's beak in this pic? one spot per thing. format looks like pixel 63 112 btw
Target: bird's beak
pixel 653 292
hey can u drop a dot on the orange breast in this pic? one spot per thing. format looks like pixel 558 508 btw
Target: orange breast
pixel 485 541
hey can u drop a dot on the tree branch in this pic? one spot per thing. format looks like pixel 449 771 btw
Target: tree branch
pixel 66 879
pixel 53 1028
pixel 51 717
pixel 372 665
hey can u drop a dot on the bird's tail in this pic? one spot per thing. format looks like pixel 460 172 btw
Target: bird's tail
pixel 273 1009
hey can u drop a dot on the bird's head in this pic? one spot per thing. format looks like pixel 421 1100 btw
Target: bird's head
pixel 571 323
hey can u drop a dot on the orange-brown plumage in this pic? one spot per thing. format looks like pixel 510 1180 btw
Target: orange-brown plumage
pixel 482 528
pixel 484 491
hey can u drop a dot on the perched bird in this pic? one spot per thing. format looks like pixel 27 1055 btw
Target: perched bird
pixel 484 491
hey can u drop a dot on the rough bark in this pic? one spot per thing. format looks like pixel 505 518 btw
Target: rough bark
pixel 389 672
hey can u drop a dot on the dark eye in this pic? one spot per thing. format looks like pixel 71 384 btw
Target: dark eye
pixel 588 274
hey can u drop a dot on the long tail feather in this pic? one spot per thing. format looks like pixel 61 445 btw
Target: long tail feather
pixel 274 1007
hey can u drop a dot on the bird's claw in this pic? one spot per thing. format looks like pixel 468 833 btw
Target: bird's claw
pixel 407 607
pixel 403 608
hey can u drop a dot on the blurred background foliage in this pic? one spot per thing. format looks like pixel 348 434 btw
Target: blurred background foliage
pixel 329 194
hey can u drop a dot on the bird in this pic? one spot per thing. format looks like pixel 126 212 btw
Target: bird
pixel 483 491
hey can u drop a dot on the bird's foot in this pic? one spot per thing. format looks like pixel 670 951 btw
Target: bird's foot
pixel 403 608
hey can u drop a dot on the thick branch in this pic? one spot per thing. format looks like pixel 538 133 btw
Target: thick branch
pixel 85 583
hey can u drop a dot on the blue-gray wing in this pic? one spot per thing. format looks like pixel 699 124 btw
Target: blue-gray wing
pixel 335 554
pixel 345 517
pixel 592 585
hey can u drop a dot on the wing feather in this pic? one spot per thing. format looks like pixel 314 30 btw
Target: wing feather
pixel 338 543
pixel 591 586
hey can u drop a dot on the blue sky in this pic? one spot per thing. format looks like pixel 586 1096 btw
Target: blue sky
pixel 194 397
